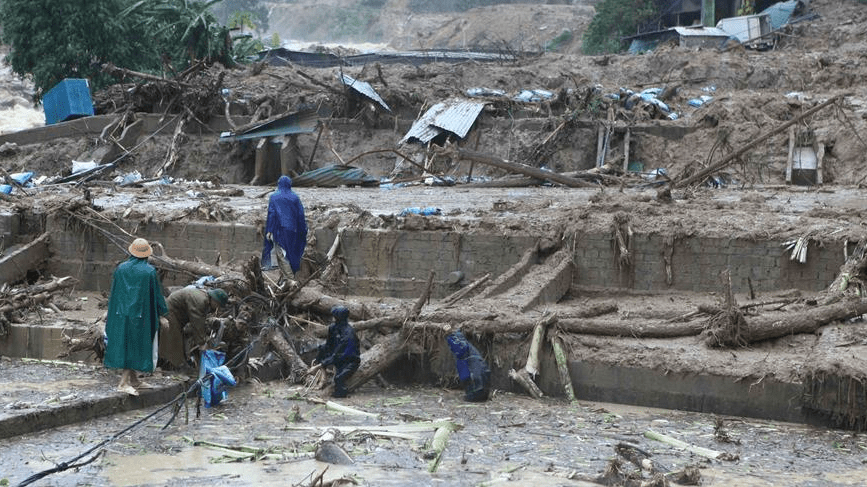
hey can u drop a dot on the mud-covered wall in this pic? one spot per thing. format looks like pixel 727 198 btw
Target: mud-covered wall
pixel 397 262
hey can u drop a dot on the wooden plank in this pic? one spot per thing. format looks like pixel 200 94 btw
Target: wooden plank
pixel 791 158
pixel 820 156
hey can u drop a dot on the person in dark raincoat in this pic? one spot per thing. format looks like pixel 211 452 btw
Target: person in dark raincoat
pixel 473 372
pixel 285 225
pixel 340 350
pixel 188 331
pixel 135 305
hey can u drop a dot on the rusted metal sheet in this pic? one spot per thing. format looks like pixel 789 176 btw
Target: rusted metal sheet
pixel 333 176
pixel 456 116
pixel 364 88
pixel 301 122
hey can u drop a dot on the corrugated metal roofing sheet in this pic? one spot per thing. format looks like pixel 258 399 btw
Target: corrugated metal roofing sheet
pixel 364 88
pixel 301 122
pixel 700 32
pixel 456 116
pixel 333 176
pixel 780 13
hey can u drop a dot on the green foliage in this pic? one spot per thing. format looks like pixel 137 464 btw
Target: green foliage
pixel 556 43
pixel 181 31
pixel 56 39
pixel 614 20
pixel 242 20
pixel 257 13
pixel 275 42
pixel 246 47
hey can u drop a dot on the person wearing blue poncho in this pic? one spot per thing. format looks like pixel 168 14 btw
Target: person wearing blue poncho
pixel 340 350
pixel 285 225
pixel 473 372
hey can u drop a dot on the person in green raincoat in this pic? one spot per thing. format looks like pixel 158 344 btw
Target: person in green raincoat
pixel 135 305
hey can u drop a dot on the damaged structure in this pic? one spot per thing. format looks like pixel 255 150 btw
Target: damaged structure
pixel 656 230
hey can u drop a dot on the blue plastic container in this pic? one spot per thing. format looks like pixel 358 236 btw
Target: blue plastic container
pixel 68 100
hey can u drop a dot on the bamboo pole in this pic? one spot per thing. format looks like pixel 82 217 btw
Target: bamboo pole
pixel 440 440
pixel 522 378
pixel 682 445
pixel 563 366
pixel 532 366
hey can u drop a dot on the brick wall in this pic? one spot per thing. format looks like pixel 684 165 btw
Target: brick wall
pixel 397 263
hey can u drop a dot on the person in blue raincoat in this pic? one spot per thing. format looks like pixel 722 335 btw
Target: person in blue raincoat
pixel 340 350
pixel 285 225
pixel 135 306
pixel 473 372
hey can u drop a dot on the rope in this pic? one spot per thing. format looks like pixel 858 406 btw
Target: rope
pixel 177 402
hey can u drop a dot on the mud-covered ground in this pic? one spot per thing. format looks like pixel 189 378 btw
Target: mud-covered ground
pixel 510 440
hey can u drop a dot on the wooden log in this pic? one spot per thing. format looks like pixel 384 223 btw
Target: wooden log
pixel 25 303
pixel 46 287
pixel 377 358
pixel 791 157
pixel 636 328
pixel 495 161
pixel 532 365
pixel 173 153
pixel 793 323
pixel 413 313
pixel 522 378
pixel 562 366
pixel 460 293
pixel 313 298
pixel 297 367
pixel 117 71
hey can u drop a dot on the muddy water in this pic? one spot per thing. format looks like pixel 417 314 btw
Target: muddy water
pixel 511 440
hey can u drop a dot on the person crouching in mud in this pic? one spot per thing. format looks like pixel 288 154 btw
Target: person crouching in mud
pixel 340 350
pixel 473 372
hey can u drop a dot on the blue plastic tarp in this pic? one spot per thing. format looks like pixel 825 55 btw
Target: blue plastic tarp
pixel 780 13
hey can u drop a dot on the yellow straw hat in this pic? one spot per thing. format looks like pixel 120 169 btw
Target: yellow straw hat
pixel 140 248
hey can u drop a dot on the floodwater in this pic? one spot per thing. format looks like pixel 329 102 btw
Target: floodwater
pixel 510 440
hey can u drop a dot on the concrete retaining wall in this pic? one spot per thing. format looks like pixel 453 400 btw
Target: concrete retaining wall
pixel 397 263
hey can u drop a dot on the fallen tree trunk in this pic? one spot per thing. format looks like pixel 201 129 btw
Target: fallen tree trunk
pixel 381 355
pixel 311 298
pixel 793 323
pixel 523 378
pixel 46 287
pixel 297 367
pixel 460 293
pixel 519 168
pixel 26 302
pixel 377 359
pixel 635 328
pixel 850 280
pixel 562 366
